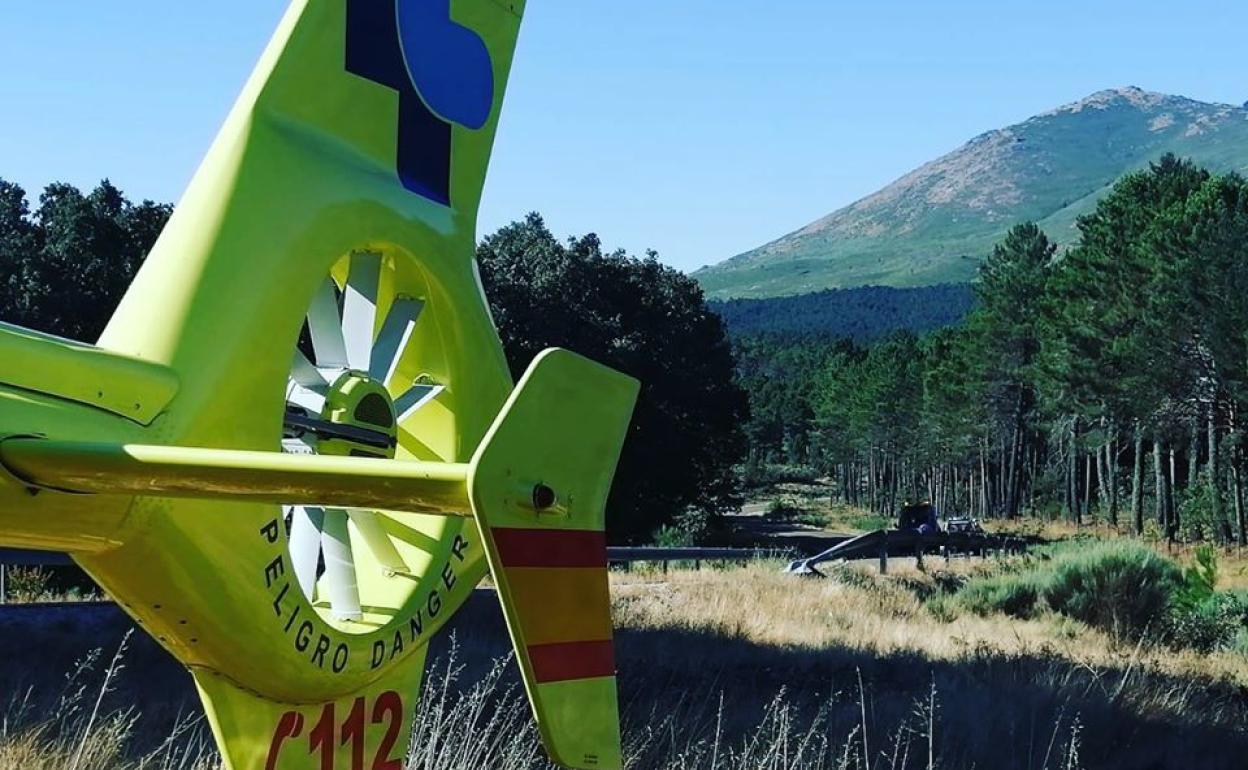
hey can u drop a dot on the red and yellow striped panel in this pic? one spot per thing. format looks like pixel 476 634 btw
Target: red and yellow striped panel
pixel 558 582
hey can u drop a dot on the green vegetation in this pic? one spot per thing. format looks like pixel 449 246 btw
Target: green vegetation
pixel 646 320
pixel 794 512
pixel 862 314
pixel 938 223
pixel 1121 588
pixel 1019 595
pixel 64 266
pixel 1103 384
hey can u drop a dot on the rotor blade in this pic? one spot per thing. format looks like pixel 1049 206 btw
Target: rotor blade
pixel 303 372
pixel 305 545
pixel 368 523
pixel 326 328
pixel 299 446
pixel 417 396
pixel 339 581
pixel 359 308
pixel 392 341
pixel 308 399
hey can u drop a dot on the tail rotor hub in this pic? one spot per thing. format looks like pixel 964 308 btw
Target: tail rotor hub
pixel 357 401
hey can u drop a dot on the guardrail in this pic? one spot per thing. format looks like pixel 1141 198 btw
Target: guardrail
pixel 627 556
pixel 883 543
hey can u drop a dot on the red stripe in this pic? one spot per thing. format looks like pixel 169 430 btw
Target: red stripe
pixel 551 547
pixel 572 660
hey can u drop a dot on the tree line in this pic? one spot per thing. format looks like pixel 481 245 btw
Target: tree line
pixel 65 264
pixel 862 313
pixel 1108 381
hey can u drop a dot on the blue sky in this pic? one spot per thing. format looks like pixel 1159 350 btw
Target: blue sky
pixel 699 128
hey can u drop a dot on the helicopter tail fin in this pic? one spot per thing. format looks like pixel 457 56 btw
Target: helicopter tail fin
pixel 539 486
pixel 369 728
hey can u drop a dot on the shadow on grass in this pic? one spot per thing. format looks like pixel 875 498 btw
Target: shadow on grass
pixel 992 712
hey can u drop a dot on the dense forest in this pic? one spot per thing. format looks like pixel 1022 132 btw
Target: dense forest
pixel 864 314
pixel 1108 382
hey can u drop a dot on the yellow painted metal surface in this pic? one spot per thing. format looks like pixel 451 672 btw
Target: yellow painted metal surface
pixel 271 477
pixel 130 387
pixel 363 136
pixel 563 428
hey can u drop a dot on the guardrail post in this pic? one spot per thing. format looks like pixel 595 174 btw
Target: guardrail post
pixel 884 553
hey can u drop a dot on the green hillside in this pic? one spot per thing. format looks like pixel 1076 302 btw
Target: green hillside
pixel 936 223
pixel 863 314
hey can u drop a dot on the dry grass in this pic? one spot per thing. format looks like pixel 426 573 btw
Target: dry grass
pixel 749 669
pixel 1002 684
pixel 857 611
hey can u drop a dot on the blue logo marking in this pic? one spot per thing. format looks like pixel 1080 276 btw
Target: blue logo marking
pixel 448 63
pixel 441 71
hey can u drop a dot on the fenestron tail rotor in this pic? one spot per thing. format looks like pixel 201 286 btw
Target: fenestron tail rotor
pixel 359 308
pixel 338 402
pixel 340 580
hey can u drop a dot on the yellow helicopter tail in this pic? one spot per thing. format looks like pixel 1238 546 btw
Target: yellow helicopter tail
pixel 368 729
pixel 539 485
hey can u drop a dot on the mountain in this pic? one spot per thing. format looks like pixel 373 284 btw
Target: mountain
pixel 865 313
pixel 936 223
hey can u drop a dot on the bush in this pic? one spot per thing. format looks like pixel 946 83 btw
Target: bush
pixel 1213 624
pixel 869 522
pixel 692 528
pixel 784 510
pixel 781 509
pixel 1200 580
pixel 1121 588
pixel 1016 595
pixel 28 584
pixel 756 474
pixel 1196 519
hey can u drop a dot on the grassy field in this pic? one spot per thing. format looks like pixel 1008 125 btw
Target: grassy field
pixel 731 669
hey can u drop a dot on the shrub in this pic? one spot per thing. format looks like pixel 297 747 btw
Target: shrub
pixel 870 522
pixel 691 528
pixel 1121 588
pixel 1017 595
pixel 1213 624
pixel 943 607
pixel 1200 580
pixel 781 509
pixel 769 474
pixel 669 536
pixel 28 584
pixel 1196 507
